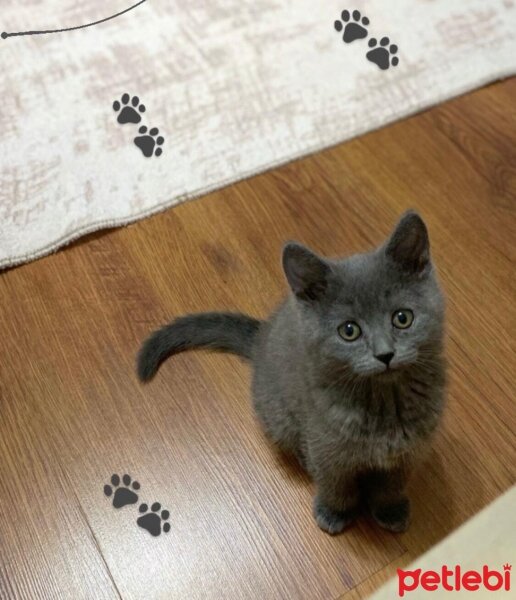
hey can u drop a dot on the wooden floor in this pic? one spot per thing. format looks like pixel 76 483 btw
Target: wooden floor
pixel 72 412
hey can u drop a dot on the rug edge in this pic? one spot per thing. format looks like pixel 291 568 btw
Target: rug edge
pixel 76 234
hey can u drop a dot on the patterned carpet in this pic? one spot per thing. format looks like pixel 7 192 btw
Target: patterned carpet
pixel 108 124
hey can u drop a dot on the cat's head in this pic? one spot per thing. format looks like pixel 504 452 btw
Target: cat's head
pixel 371 313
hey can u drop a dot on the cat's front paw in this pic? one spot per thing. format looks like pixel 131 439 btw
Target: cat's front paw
pixel 394 516
pixel 330 520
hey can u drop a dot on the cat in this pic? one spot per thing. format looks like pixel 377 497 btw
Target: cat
pixel 348 372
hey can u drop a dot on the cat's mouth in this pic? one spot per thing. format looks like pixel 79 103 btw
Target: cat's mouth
pixel 383 374
pixel 389 373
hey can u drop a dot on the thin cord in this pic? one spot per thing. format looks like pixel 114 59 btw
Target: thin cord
pixel 5 35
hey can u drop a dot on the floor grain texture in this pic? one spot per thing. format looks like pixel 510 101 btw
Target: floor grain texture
pixel 72 412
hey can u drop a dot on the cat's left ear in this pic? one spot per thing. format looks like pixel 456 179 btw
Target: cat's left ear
pixel 409 246
pixel 307 274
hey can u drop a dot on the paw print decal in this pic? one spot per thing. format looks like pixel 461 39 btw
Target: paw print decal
pixel 128 113
pixel 149 142
pixel 381 55
pixel 153 521
pixel 353 29
pixel 130 110
pixel 124 491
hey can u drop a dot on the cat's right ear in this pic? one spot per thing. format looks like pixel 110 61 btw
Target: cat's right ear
pixel 408 245
pixel 307 274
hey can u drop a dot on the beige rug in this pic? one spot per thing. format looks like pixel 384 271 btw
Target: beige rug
pixel 234 87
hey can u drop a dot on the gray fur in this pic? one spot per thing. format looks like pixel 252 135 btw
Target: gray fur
pixel 228 332
pixel 355 425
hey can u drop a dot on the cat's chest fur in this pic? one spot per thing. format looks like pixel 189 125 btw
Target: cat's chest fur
pixel 377 425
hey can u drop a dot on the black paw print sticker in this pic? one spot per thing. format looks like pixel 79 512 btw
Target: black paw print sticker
pixel 124 495
pixel 382 55
pixel 153 521
pixel 126 113
pixel 149 142
pixel 353 29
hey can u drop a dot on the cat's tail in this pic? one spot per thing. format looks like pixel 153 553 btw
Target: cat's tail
pixel 228 332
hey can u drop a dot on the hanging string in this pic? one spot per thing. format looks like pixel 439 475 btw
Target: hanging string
pixel 6 35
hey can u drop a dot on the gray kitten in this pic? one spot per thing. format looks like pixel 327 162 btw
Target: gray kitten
pixel 348 371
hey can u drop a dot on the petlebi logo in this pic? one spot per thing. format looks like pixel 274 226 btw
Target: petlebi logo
pixel 455 579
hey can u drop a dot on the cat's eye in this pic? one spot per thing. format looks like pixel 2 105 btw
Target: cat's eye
pixel 402 319
pixel 350 331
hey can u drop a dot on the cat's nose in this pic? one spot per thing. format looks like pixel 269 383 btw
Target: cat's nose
pixel 385 358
